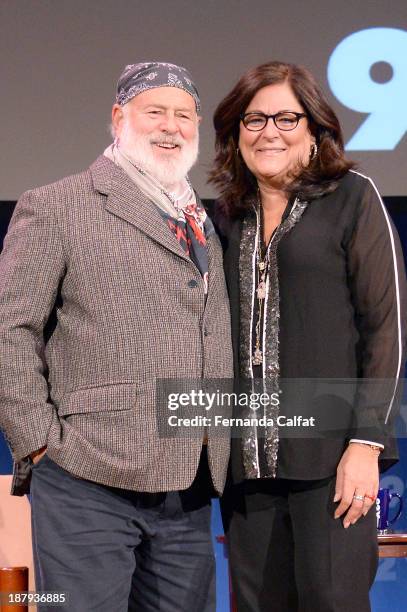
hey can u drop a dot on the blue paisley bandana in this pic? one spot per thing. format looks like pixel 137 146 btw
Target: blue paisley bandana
pixel 137 78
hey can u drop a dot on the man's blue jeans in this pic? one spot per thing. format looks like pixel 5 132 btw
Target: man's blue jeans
pixel 111 550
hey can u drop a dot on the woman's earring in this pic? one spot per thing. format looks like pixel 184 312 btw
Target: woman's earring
pixel 313 151
pixel 237 151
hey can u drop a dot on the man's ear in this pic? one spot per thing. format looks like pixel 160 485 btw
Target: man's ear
pixel 117 118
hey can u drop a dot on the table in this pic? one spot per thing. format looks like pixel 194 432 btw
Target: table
pixel 392 545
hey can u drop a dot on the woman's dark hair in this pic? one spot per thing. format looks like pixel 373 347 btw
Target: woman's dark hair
pixel 230 174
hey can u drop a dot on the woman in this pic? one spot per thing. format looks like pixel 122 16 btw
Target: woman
pixel 315 277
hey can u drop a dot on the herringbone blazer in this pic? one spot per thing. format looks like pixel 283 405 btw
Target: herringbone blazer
pixel 97 304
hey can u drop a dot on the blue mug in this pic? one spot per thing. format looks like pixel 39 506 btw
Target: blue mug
pixel 383 500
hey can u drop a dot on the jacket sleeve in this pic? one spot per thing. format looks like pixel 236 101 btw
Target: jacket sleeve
pixel 31 267
pixel 378 291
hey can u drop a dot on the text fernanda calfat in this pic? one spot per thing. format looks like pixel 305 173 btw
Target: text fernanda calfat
pixel 221 421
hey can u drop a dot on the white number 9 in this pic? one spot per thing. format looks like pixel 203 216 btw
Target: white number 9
pixel 350 80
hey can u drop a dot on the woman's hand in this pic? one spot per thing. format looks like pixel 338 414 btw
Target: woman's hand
pixel 357 475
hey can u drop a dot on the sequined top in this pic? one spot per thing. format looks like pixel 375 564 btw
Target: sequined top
pixel 335 308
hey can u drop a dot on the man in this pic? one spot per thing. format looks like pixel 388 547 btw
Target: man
pixel 111 280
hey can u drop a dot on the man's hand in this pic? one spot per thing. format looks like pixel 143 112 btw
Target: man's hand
pixel 37 455
pixel 357 476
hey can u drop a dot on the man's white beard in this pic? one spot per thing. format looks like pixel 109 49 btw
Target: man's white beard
pixel 169 172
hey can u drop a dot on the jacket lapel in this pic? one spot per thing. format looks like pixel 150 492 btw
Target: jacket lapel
pixel 126 201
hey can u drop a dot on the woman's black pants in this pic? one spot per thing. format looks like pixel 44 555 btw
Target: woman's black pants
pixel 288 554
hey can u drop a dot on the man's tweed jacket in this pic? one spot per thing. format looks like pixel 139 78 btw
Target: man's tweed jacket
pixel 97 304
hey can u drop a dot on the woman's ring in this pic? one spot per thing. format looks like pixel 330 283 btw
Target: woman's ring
pixel 371 497
pixel 359 497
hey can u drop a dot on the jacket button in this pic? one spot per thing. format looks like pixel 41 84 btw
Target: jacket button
pixel 192 284
pixel 206 332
